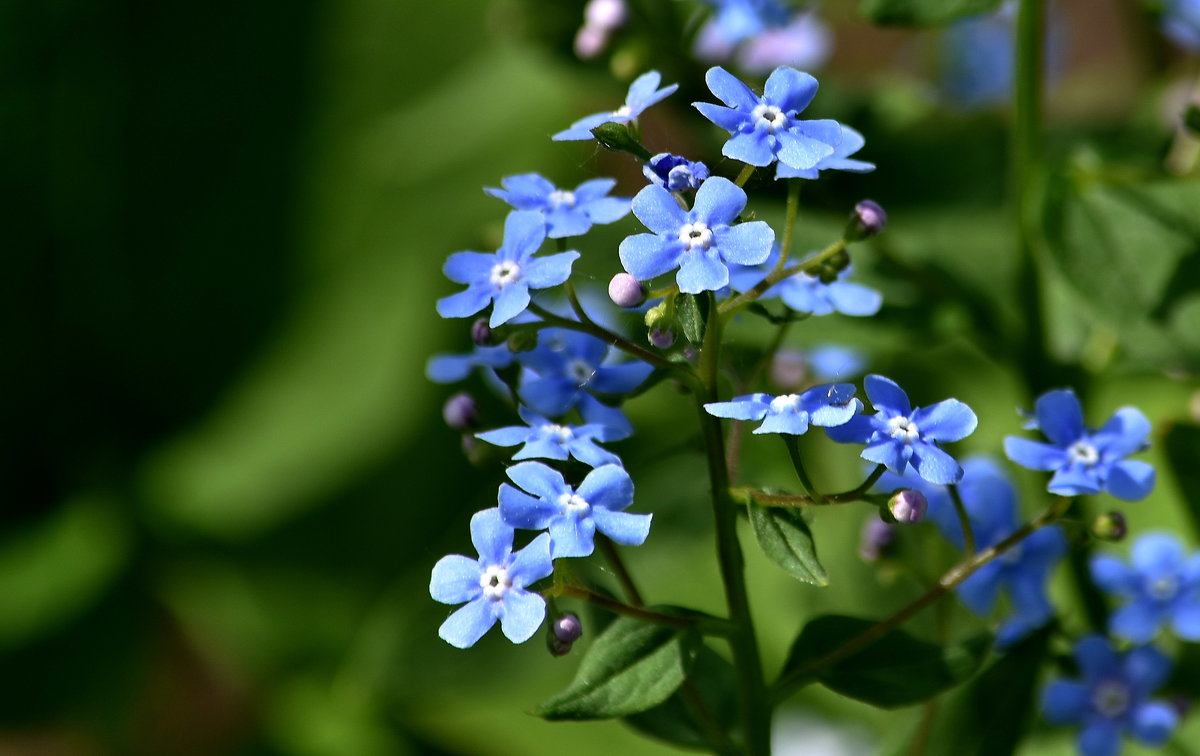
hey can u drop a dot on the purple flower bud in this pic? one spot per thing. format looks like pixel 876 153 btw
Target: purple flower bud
pixel 460 412
pixel 568 628
pixel 481 332
pixel 908 506
pixel 868 219
pixel 662 338
pixel 590 41
pixel 626 291
pixel 1110 526
pixel 877 536
pixel 605 14
pixel 789 369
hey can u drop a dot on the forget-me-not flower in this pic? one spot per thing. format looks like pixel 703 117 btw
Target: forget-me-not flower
pixel 643 93
pixel 1086 461
pixel 806 292
pixel 504 278
pixel 1181 23
pixel 840 160
pixel 572 516
pixel 1161 586
pixel 767 128
pixel 700 242
pixel 674 173
pixel 736 20
pixel 1113 697
pixel 791 413
pixel 567 213
pixel 805 42
pixel 493 586
pixel 545 439
pixel 898 435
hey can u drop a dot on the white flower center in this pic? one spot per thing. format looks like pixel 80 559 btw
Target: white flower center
pixel 1111 698
pixel 560 433
pixel 903 429
pixel 1082 451
pixel 504 273
pixel 581 371
pixel 495 582
pixel 695 235
pixel 771 116
pixel 574 503
pixel 561 198
pixel 623 112
pixel 1162 587
pixel 788 403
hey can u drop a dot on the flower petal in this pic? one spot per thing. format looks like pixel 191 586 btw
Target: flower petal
pixel 645 256
pixel 730 89
pixel 718 202
pixel 935 465
pixel 747 407
pixel 1146 669
pixel 538 479
pixel 856 430
pixel 948 420
pixel 572 537
pixel 979 592
pixel 522 614
pixel 1065 701
pixel 608 487
pixel 657 209
pixel 753 148
pixel 524 232
pixel 702 270
pixel 854 299
pixel 1034 454
pixel 1074 480
pixel 1111 575
pixel 455 580
pixel 510 302
pixel 1153 723
pixel 607 209
pixel 746 243
pixel 491 536
pixel 807 143
pixel 469 267
pixel 890 453
pixel 729 119
pixel 520 510
pixel 790 89
pixel 1125 433
pixel 551 270
pixel 465 303
pixel 467 625
pixel 1130 480
pixel 886 393
pixel 623 527
pixel 1060 417
pixel 1099 737
pixel 1136 622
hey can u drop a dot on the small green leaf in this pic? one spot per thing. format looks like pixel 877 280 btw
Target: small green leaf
pixel 897 670
pixel 1182 445
pixel 712 693
pixel 632 666
pixel 690 318
pixel 922 12
pixel 784 537
pixel 618 138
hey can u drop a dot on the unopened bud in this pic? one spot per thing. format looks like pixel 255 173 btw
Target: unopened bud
pixel 868 219
pixel 1110 526
pixel 877 536
pixel 908 506
pixel 618 138
pixel 522 341
pixel 626 291
pixel 605 14
pixel 662 338
pixel 481 332
pixel 563 633
pixel 460 412
pixel 590 41
pixel 789 369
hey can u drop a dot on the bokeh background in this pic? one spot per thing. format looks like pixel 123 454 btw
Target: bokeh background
pixel 224 475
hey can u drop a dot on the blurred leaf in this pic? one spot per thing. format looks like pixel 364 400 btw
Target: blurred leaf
pixel 690 318
pixel 784 536
pixel 1182 445
pixel 714 684
pixel 922 12
pixel 1191 118
pixel 897 670
pixel 632 666
pixel 310 717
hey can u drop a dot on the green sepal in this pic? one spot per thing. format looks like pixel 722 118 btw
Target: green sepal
pixel 896 670
pixel 618 138
pixel 689 314
pixel 922 12
pixel 631 667
pixel 785 538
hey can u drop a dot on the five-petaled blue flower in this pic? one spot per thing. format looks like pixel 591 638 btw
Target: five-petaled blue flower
pixel 674 173
pixel 805 292
pixel 567 213
pixel 1161 585
pixel 840 160
pixel 791 414
pixel 767 128
pixel 1113 698
pixel 700 242
pixel 643 93
pixel 897 435
pixel 572 516
pixel 1085 461
pixel 505 277
pixel 492 586
pixel 544 439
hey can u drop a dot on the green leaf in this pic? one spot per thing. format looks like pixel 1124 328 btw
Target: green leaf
pixel 632 666
pixel 922 12
pixel 690 318
pixel 1182 445
pixel 1191 118
pixel 712 693
pixel 897 670
pixel 784 537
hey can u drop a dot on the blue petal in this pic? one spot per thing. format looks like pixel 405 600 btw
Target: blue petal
pixel 657 209
pixel 624 528
pixel 551 395
pixel 1146 669
pixel 621 378
pixel 753 148
pixel 455 580
pixel 1060 417
pixel 729 119
pixel 1073 481
pixel 616 425
pixel 532 563
pixel 551 270
pixel 856 430
pixel 746 243
pixel 465 303
pixel 572 537
pixel 587 452
pixel 594 189
pixel 948 420
pixel 542 448
pixel 854 299
pixel 469 267
pixel 608 487
pixel 748 407
pixel 1034 454
pixel 1096 658
pixel 522 615
pixel 790 423
pixel 1157 552
pixel 607 209
pixel 524 232
pixel 510 302
pixel 1100 737
pixel 1130 480
pixel 718 202
pixel 582 129
pixel 562 222
pixel 467 625
pixel 785 171
pixel 510 436
pixel 789 89
pixel 449 368
pixel 520 510
pixel 1125 433
pixel 538 479
pixel 645 256
pixel 702 270
pixel 491 536
pixel 1065 701
pixel 886 393
pixel 1185 619
pixel 1111 575
pixel 802 145
pixel 979 592
pixel 730 89
pixel 935 465
pixel 1153 723
pixel 528 185
pixel 892 454
pixel 1136 622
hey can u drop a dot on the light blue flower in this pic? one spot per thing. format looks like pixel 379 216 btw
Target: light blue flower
pixel 898 435
pixel 504 278
pixel 1086 461
pixel 805 292
pixel 767 128
pixel 736 20
pixel 700 242
pixel 567 213
pixel 572 516
pixel 493 586
pixel 840 160
pixel 1181 23
pixel 830 361
pixel 643 93
pixel 976 59
pixel 791 414
pixel 674 173
pixel 451 368
pixel 549 440
pixel 806 42
pixel 1112 698
pixel 1161 586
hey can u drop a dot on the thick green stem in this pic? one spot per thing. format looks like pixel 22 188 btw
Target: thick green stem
pixel 744 176
pixel 793 446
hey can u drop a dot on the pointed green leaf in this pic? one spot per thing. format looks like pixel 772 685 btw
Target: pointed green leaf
pixel 690 317
pixel 922 12
pixel 710 692
pixel 784 537
pixel 632 666
pixel 897 670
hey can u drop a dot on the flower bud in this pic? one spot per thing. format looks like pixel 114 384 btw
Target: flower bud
pixel 590 41
pixel 481 332
pixel 626 291
pixel 908 506
pixel 564 631
pixel 662 338
pixel 618 138
pixel 868 219
pixel 674 173
pixel 877 536
pixel 605 14
pixel 789 369
pixel 522 341
pixel 460 411
pixel 1110 526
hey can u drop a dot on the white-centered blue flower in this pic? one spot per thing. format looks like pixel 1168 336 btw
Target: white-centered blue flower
pixel 572 516
pixel 643 93
pixel 840 160
pixel 806 292
pixel 1086 461
pixel 567 213
pixel 493 587
pixel 504 278
pixel 1160 585
pixel 791 414
pixel 545 439
pixel 700 242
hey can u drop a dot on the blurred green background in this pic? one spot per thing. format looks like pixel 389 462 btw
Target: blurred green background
pixel 225 477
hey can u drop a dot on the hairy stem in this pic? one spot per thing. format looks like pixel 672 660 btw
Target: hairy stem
pixel 963 520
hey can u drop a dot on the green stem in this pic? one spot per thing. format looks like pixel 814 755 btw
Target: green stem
pixel 744 176
pixel 793 446
pixel 710 626
pixel 731 306
pixel 789 224
pixel 620 342
pixel 858 493
pixel 618 567
pixel 963 520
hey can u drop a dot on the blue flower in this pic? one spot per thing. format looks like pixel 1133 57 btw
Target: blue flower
pixel 1181 23
pixel 547 440
pixel 821 405
pixel 573 516
pixel 767 128
pixel 493 586
pixel 897 435
pixel 451 368
pixel 840 160
pixel 505 277
pixel 805 292
pixel 1161 586
pixel 806 42
pixel 643 93
pixel 1112 698
pixel 830 361
pixel 736 20
pixel 674 173
pixel 1086 461
pixel 700 242
pixel 567 213
pixel 976 59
